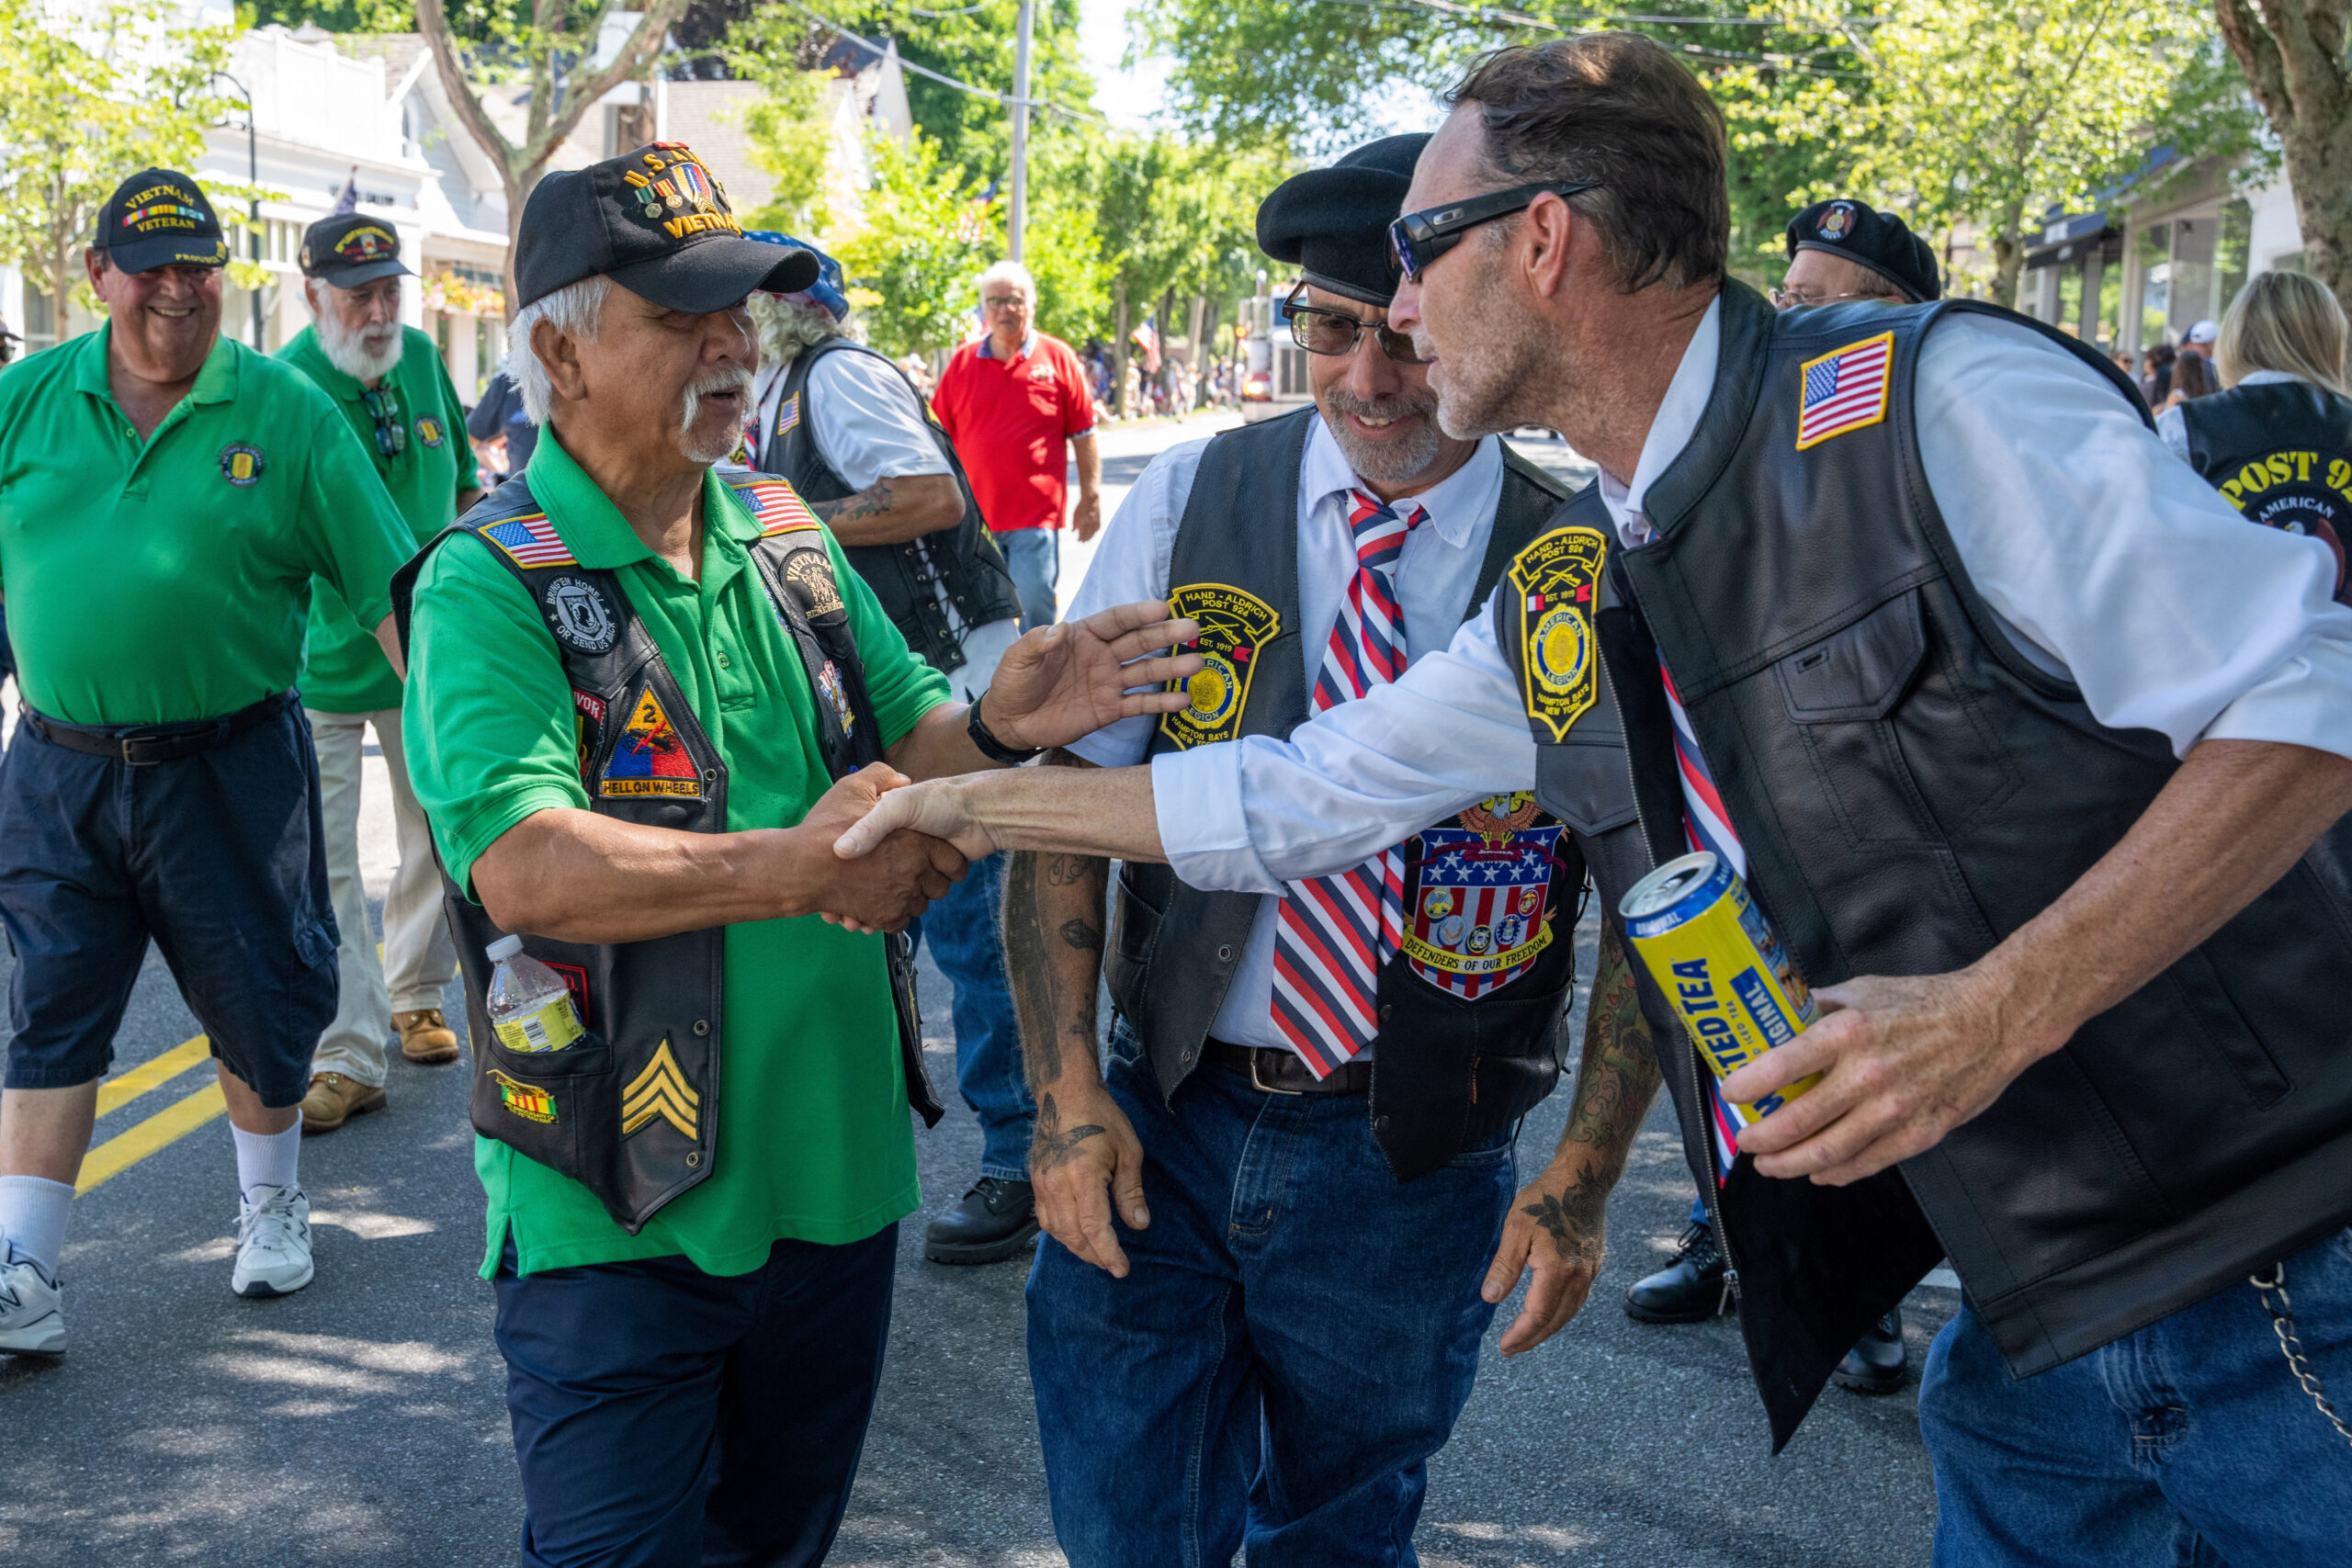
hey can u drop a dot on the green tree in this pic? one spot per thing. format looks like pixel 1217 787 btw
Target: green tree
pixel 791 141
pixel 83 104
pixel 924 235
pixel 2296 56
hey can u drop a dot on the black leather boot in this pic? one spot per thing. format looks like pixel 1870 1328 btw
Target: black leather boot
pixel 1689 1289
pixel 994 1220
pixel 1875 1363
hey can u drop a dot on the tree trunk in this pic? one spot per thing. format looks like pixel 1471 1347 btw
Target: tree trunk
pixel 2009 255
pixel 1120 326
pixel 1208 355
pixel 2292 53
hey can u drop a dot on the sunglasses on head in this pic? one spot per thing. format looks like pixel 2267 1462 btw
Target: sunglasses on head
pixel 1335 333
pixel 391 435
pixel 1418 239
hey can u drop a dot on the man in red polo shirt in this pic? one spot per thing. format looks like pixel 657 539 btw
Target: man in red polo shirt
pixel 1008 402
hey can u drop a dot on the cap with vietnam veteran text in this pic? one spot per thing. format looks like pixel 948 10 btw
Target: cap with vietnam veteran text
pixel 350 248
pixel 1332 224
pixel 1879 241
pixel 160 218
pixel 655 222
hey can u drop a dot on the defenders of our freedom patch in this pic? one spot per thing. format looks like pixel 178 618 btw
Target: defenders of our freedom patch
pixel 1235 626
pixel 648 757
pixel 662 1092
pixel 1555 579
pixel 1845 389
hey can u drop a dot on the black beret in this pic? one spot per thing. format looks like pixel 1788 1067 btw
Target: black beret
pixel 1879 241
pixel 1332 224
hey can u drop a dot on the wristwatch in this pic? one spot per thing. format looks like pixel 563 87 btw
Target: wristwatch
pixel 995 750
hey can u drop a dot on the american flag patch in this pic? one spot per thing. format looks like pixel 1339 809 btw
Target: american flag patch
pixel 1845 389
pixel 788 414
pixel 775 507
pixel 531 541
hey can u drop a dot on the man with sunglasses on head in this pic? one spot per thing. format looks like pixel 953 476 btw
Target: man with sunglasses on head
pixel 393 389
pixel 168 500
pixel 1309 1117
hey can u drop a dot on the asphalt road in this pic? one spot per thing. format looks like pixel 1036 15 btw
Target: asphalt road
pixel 361 1422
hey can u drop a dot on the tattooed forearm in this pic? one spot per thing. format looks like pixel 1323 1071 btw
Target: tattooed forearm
pixel 1053 1145
pixel 1055 980
pixel 1572 1217
pixel 1081 936
pixel 871 502
pixel 1619 1074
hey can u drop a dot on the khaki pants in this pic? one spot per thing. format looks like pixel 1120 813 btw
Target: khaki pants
pixel 418 960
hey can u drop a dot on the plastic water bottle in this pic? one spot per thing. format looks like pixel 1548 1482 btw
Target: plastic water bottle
pixel 530 1007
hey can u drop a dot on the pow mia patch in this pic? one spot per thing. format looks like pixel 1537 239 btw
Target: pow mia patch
pixel 1555 579
pixel 1236 626
pixel 241 464
pixel 810 574
pixel 429 431
pixel 581 618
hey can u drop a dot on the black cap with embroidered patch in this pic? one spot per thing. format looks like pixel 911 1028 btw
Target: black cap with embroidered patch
pixel 1332 224
pixel 655 222
pixel 350 248
pixel 160 218
pixel 1879 241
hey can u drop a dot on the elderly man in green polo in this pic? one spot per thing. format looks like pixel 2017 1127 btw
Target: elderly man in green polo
pixel 645 702
pixel 166 498
pixel 393 391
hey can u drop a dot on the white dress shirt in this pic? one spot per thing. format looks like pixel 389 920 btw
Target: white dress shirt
pixel 2109 560
pixel 1435 577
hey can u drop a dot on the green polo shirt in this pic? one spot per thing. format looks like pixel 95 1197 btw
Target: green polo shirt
pixel 166 579
pixel 814 1142
pixel 344 668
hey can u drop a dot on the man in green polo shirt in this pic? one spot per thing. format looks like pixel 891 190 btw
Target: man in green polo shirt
pixel 166 497
pixel 635 686
pixel 391 384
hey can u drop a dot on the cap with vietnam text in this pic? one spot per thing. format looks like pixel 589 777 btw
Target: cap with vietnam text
pixel 1879 241
pixel 160 218
pixel 655 222
pixel 350 248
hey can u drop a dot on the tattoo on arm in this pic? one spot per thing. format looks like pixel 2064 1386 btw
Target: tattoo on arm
pixel 1053 1145
pixel 1054 981
pixel 1615 1082
pixel 1081 936
pixel 871 502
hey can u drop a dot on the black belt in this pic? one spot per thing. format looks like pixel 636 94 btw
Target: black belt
pixel 144 745
pixel 1282 1072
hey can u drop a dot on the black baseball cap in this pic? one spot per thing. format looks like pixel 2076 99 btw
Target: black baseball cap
pixel 350 248
pixel 1879 241
pixel 160 218
pixel 1332 224
pixel 655 222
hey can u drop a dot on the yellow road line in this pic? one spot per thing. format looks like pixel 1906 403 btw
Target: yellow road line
pixel 125 1149
pixel 119 1091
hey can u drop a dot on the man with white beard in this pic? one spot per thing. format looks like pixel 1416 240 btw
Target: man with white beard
pixel 393 391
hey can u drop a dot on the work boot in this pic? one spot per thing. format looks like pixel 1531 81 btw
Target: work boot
pixel 1875 1363
pixel 426 1038
pixel 1689 1289
pixel 995 1220
pixel 335 1099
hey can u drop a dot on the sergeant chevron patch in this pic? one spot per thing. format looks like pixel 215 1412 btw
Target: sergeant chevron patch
pixel 662 1090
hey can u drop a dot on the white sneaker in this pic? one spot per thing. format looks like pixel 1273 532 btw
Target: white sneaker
pixel 273 1243
pixel 32 1311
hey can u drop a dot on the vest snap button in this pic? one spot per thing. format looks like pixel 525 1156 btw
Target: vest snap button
pixel 1380 1124
pixel 702 1026
pixel 1225 954
pixel 1385 1010
pixel 694 1159
pixel 710 774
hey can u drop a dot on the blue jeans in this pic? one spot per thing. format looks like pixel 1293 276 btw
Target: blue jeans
pixel 968 943
pixel 1033 557
pixel 1296 1335
pixel 2188 1443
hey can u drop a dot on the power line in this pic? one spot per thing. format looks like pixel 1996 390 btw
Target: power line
pixel 1514 18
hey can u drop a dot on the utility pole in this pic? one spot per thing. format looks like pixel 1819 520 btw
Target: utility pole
pixel 252 179
pixel 1018 212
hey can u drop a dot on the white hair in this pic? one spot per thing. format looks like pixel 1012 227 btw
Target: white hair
pixel 1009 272
pixel 574 310
pixel 787 326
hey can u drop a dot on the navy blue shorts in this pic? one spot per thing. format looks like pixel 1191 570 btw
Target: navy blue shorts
pixel 218 857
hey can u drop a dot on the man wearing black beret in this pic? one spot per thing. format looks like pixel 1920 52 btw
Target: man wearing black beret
pixel 1845 250
pixel 1305 1133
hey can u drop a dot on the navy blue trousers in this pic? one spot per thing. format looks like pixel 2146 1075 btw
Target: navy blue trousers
pixel 669 1418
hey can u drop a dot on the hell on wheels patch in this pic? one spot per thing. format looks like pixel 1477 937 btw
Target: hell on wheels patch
pixel 1555 579
pixel 649 758
pixel 1236 626
pixel 580 615
pixel 241 464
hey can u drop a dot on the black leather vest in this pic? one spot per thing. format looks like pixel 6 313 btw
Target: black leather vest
pixel 631 1110
pixel 906 577
pixel 2281 453
pixel 1457 1058
pixel 1910 790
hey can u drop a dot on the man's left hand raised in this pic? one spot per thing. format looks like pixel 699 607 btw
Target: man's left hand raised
pixel 1063 682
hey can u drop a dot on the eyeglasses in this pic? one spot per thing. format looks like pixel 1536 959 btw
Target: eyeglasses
pixel 1788 299
pixel 1335 333
pixel 391 435
pixel 1418 239
pixel 1005 301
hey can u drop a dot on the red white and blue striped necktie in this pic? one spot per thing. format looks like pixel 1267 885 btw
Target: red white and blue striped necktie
pixel 1705 826
pixel 1336 931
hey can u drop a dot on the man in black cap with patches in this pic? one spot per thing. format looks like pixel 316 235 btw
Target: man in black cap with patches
pixel 1844 250
pixel 1305 1126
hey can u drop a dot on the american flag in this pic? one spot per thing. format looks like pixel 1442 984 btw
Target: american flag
pixel 1845 389
pixel 775 507
pixel 532 541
